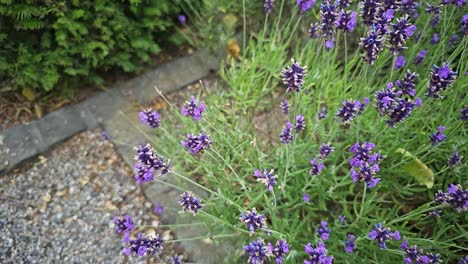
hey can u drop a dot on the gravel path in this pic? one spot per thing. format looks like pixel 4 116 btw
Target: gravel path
pixel 59 208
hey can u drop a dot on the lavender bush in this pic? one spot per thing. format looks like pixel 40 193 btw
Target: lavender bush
pixel 382 180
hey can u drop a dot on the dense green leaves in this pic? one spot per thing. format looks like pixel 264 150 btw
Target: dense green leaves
pixel 46 43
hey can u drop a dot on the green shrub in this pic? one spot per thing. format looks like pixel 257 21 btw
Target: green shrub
pixel 45 43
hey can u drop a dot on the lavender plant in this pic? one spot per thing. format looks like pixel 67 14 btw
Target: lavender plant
pixel 377 184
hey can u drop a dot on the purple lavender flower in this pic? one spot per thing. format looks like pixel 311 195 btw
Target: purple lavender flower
pixel 323 230
pixel 322 113
pixel 401 110
pixel 407 85
pixel 385 99
pixel 440 79
pixel 150 118
pixel 105 135
pixel 286 136
pixel 342 219
pixel 327 18
pixel 193 109
pixel 317 255
pixel 435 11
pixel 254 221
pixel 149 162
pixel 279 250
pixel 453 40
pixel 325 150
pixel 306 197
pixel 464 25
pixel 390 4
pixel 350 244
pixel 409 7
pixel 196 144
pixel 438 136
pixel 420 57
pixel 314 30
pixel 267 177
pixel 435 213
pixel 463 260
pixel 329 44
pixel 293 77
pixel 123 224
pixel 464 113
pixel 349 110
pixel 399 63
pixel 284 105
pixel 317 167
pixel 364 163
pixel 300 123
pixel 369 11
pixel 455 159
pixel 414 253
pixel 268 6
pixel 258 251
pixel 435 39
pixel 144 245
pixel 382 21
pixel 401 31
pixel 182 19
pixel 381 234
pixel 158 209
pixel 342 4
pixel 455 196
pixel 176 259
pixel 190 203
pixel 372 46
pixel 347 21
pixel 305 5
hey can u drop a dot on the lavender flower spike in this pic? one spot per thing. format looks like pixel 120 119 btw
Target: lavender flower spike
pixel 325 150
pixel 284 105
pixel 193 109
pixel 464 113
pixel 317 255
pixel 382 234
pixel 455 196
pixel 420 57
pixel 267 177
pixel 268 6
pixel 144 245
pixel 438 136
pixel 369 11
pixel 350 244
pixel 327 18
pixel 190 203
pixel 323 230
pixel 347 21
pixel 123 224
pixel 293 76
pixel 305 5
pixel 150 118
pixel 286 136
pixel 399 63
pixel 350 109
pixel 317 167
pixel 401 31
pixel 300 123
pixel 197 144
pixel 440 79
pixel 254 221
pixel 372 45
pixel 258 251
pixel 455 159
pixel 279 250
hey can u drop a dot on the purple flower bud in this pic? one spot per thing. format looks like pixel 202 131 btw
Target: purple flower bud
pixel 182 19
pixel 342 4
pixel 286 136
pixel 325 150
pixel 382 234
pixel 279 250
pixel 440 79
pixel 305 5
pixel 258 252
pixel 284 105
pixel 317 167
pixel 399 62
pixel 453 40
pixel 401 31
pixel 455 159
pixel 435 39
pixel 190 203
pixel 254 221
pixel 323 231
pixel 464 25
pixel 369 11
pixel 317 255
pixel 300 123
pixel 197 144
pixel 464 113
pixel 342 219
pixel 268 6
pixel 329 44
pixel 438 137
pixel 420 57
pixel 123 224
pixel 267 177
pixel 158 209
pixel 350 109
pixel 347 21
pixel 314 30
pixel 327 18
pixel 306 198
pixel 293 77
pixel 193 108
pixel 322 113
pixel 150 118
pixel 144 245
pixel 349 244
pixel 372 45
